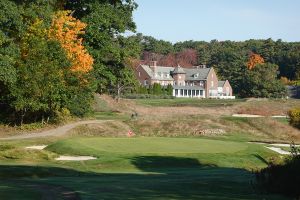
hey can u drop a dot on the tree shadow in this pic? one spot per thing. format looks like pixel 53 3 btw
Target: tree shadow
pixel 162 177
pixel 163 163
pixel 261 159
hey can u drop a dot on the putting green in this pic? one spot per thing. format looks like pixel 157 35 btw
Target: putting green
pixel 149 145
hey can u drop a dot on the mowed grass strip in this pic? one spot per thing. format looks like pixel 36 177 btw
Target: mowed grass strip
pixel 147 145
pixel 193 102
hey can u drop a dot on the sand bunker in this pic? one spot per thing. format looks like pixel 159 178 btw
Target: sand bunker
pixel 279 150
pixel 38 147
pixel 253 116
pixel 75 158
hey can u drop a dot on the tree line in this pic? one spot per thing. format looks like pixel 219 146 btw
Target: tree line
pixel 281 60
pixel 55 54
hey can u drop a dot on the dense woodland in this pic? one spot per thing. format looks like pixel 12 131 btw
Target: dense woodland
pixel 253 67
pixel 54 55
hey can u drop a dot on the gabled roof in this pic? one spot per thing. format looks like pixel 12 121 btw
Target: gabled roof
pixel 196 74
pixel 159 69
pixel 178 70
pixel 221 83
pixel 191 74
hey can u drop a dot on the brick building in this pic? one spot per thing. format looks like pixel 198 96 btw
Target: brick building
pixel 198 82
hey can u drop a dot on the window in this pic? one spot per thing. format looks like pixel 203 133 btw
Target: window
pixel 181 92
pixel 145 82
pixel 139 74
pixel 179 77
pixel 227 91
pixel 176 92
pixel 197 92
pixel 212 83
pixel 201 83
pixel 201 92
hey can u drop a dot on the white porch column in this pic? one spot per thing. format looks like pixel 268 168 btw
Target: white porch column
pixel 173 92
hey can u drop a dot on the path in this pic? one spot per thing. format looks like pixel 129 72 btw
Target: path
pixel 59 131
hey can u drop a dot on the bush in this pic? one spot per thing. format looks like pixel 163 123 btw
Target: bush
pixel 147 96
pixel 294 115
pixel 281 178
pixel 62 115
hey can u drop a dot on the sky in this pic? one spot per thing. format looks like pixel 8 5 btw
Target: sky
pixel 238 20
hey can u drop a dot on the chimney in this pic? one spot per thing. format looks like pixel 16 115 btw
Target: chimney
pixel 153 65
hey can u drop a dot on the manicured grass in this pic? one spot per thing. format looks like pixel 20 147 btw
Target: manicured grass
pixel 111 116
pixel 121 152
pixel 148 145
pixel 189 102
pixel 15 192
pixel 140 168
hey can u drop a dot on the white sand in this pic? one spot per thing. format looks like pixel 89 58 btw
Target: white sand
pixel 279 116
pixel 284 145
pixel 38 147
pixel 249 116
pixel 246 115
pixel 75 158
pixel 279 150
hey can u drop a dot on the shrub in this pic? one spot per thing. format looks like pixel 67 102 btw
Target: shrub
pixel 147 96
pixel 62 115
pixel 294 115
pixel 281 178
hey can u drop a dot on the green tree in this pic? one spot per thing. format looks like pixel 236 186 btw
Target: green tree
pixel 262 82
pixel 107 21
pixel 157 90
pixel 169 90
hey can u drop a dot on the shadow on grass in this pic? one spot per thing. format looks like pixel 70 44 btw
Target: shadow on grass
pixel 165 163
pixel 164 177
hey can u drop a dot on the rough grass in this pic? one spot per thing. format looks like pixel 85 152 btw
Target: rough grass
pixel 267 107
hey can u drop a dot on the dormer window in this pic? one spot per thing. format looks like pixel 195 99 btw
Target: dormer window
pixel 196 75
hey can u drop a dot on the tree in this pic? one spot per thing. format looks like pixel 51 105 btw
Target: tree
pixel 169 90
pixel 40 87
pixel 156 90
pixel 262 82
pixel 254 59
pixel 107 20
pixel 66 29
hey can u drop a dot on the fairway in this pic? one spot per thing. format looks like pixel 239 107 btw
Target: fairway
pixel 153 145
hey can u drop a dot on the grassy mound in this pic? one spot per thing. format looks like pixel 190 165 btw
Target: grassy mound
pixel 145 146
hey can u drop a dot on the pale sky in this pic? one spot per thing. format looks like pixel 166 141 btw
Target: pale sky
pixel 180 20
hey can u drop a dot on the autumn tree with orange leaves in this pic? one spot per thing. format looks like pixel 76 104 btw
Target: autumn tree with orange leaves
pixel 254 59
pixel 67 30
